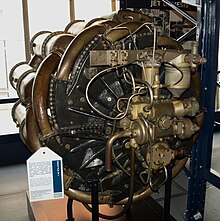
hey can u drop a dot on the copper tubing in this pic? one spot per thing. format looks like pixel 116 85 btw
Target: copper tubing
pixel 75 47
pixel 23 132
pixel 41 89
pixel 32 131
pixel 131 192
pixel 84 37
pixel 85 197
pixel 109 145
pixel 35 61
pixel 24 87
pixel 122 30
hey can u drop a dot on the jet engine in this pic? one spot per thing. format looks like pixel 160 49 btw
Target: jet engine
pixel 115 100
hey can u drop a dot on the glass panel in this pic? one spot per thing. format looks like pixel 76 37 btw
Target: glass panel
pixel 12 51
pixel 11 41
pixel 49 15
pixel 93 9
pixel 7 124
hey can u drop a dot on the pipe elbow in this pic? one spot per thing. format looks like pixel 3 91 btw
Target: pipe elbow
pixel 109 145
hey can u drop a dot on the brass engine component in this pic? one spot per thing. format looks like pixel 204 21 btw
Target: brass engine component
pixel 114 99
pixel 161 155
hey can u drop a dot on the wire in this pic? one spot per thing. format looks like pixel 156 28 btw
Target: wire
pixel 151 96
pixel 166 176
pixel 118 163
pixel 129 31
pixel 120 115
pixel 150 146
pixel 127 71
pixel 174 66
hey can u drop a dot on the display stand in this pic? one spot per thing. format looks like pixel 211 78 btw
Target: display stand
pixel 62 209
pixel 70 210
pixel 167 194
pixel 93 182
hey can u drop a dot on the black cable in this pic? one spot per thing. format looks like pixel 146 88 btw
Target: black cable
pixel 174 66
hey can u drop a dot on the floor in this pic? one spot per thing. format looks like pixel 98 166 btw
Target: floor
pixel 13 187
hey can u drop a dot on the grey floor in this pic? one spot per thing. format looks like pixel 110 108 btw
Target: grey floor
pixel 13 187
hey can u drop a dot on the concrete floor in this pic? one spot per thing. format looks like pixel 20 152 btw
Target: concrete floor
pixel 13 187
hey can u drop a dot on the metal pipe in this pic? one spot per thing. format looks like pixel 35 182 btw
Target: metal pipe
pixel 74 48
pixel 188 34
pixel 131 193
pixel 72 10
pixel 109 145
pixel 32 131
pixel 184 14
pixel 41 90
pixel 143 194
pixel 26 30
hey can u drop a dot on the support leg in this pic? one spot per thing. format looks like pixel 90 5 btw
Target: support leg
pixel 93 182
pixel 70 210
pixel 167 197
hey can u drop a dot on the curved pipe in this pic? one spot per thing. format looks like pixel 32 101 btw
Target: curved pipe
pixel 122 30
pixel 109 145
pixel 32 131
pixel 84 37
pixel 86 197
pixel 75 47
pixel 131 192
pixel 41 90
pixel 24 87
pixel 58 42
pixel 37 41
pixel 35 61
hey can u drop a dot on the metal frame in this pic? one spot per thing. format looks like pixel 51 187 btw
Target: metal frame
pixel 200 166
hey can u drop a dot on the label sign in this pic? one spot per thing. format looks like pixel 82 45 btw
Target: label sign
pixel 158 4
pixel 193 2
pixel 45 175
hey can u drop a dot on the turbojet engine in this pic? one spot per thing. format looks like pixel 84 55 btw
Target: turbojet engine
pixel 115 100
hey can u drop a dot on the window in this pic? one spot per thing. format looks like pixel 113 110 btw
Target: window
pixel 24 18
pixel 87 10
pixel 49 15
pixel 11 41
pixel 12 50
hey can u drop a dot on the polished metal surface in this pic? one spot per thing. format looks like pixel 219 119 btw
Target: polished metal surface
pixel 116 100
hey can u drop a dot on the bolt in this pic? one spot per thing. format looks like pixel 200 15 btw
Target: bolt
pixel 82 99
pixel 67 146
pixel 70 102
pixel 109 99
pixel 126 186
